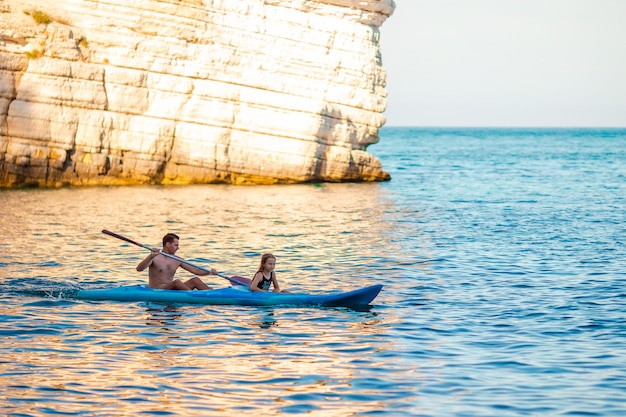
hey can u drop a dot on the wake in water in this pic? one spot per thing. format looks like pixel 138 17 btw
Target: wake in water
pixel 39 287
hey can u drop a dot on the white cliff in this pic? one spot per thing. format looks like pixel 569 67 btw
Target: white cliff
pixel 190 91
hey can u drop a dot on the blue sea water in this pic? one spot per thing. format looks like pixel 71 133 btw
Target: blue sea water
pixel 502 252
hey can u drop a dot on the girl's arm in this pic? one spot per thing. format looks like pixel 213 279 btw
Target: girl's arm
pixel 254 284
pixel 275 283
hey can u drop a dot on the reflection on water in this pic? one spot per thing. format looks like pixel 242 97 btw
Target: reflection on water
pixel 187 360
pixel 318 233
pixel 164 318
pixel 265 319
pixel 500 252
pixel 190 360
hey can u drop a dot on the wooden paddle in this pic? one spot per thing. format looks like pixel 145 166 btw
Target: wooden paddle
pixel 234 280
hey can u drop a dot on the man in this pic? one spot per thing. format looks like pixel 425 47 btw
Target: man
pixel 161 269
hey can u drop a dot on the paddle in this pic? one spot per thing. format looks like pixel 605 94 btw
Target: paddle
pixel 234 280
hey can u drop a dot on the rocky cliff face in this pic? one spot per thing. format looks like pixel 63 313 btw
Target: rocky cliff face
pixel 190 91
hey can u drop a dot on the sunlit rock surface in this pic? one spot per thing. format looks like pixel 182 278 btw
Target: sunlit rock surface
pixel 190 91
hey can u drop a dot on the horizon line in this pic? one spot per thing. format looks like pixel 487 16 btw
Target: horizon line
pixel 501 127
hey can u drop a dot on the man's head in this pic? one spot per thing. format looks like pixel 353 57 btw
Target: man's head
pixel 170 238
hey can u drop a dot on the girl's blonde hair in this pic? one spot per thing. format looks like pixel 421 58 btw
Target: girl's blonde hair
pixel 264 259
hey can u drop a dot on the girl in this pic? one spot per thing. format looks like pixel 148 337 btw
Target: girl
pixel 265 275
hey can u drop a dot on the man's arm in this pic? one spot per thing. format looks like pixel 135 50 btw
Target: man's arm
pixel 197 271
pixel 148 260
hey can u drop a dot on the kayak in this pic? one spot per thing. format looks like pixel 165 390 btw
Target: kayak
pixel 237 295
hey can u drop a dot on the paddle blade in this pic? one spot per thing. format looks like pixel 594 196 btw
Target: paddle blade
pixel 237 280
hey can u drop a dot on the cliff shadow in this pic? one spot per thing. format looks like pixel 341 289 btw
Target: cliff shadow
pixel 338 136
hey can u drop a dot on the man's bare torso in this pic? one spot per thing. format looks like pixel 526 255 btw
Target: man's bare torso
pixel 161 271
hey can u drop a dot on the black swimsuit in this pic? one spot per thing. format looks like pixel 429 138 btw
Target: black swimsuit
pixel 265 283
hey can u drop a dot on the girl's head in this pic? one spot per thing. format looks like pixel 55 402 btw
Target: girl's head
pixel 268 262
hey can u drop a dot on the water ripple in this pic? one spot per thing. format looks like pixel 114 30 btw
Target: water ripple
pixel 500 251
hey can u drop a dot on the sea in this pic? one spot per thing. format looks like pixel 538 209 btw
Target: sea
pixel 502 252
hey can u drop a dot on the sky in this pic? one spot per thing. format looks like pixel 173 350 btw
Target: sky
pixel 536 63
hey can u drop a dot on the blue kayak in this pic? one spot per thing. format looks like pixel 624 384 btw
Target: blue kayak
pixel 239 295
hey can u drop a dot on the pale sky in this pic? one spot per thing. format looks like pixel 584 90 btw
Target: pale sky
pixel 506 63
